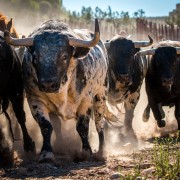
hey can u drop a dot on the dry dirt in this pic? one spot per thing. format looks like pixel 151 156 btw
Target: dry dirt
pixel 119 159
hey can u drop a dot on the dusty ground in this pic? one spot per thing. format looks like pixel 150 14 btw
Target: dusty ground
pixel 119 159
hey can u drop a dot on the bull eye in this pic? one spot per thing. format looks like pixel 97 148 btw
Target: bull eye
pixel 64 58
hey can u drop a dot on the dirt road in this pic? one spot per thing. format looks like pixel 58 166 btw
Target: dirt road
pixel 119 159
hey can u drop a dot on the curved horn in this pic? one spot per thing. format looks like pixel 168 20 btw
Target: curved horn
pixel 139 44
pixel 178 50
pixel 16 41
pixel 147 52
pixel 129 36
pixel 85 43
pixel 107 45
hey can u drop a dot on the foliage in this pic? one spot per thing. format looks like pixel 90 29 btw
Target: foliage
pixel 167 160
pixel 174 19
pixel 100 14
pixel 163 158
pixel 31 5
pixel 139 14
pixel 87 14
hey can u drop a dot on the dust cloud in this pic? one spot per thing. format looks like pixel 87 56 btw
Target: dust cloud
pixel 65 139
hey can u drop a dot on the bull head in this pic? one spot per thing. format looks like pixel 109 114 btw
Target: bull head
pixel 137 44
pixel 164 60
pixel 51 52
pixel 72 41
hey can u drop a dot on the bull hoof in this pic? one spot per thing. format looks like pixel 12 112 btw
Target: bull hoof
pixel 98 156
pixel 161 123
pixel 30 147
pixel 46 157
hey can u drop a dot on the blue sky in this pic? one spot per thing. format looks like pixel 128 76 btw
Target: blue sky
pixel 151 7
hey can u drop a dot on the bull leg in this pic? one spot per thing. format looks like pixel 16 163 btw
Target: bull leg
pixel 146 113
pixel 161 110
pixel 41 115
pixel 18 106
pixel 128 129
pixel 82 128
pixel 130 105
pixel 99 110
pixel 158 115
pixel 6 146
pixel 177 113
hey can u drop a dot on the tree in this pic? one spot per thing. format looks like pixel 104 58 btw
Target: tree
pixel 117 19
pixel 87 14
pixel 33 5
pixel 174 17
pixel 125 17
pixel 99 14
pixel 139 13
pixel 19 4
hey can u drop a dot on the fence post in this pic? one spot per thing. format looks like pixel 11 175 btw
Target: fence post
pixel 178 33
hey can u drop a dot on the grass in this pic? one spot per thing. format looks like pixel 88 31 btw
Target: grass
pixel 160 162
pixel 166 157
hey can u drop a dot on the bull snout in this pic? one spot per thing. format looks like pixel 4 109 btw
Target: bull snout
pixel 125 78
pixel 49 86
pixel 167 81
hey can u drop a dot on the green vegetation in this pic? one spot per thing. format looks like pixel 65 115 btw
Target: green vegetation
pixel 174 16
pixel 54 8
pixel 163 161
pixel 30 13
pixel 166 158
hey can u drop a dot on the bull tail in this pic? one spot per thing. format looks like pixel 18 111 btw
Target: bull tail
pixel 111 118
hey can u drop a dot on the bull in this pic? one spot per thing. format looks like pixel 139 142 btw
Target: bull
pixel 11 91
pixel 64 73
pixel 162 81
pixel 125 75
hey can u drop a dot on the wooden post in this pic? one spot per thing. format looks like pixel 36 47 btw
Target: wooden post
pixel 165 32
pixel 178 33
pixel 150 29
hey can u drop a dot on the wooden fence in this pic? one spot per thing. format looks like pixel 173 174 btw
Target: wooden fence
pixel 138 30
pixel 159 32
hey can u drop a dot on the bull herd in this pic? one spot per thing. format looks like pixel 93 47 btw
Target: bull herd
pixel 73 74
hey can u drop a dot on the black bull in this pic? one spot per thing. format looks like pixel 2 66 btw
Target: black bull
pixel 126 72
pixel 11 89
pixel 64 72
pixel 162 81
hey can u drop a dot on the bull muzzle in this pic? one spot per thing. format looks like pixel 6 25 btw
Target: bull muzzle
pixel 49 86
pixel 167 83
pixel 125 79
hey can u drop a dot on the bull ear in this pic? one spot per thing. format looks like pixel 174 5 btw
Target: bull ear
pixel 9 25
pixel 80 52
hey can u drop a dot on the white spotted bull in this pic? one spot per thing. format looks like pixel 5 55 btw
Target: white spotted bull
pixel 64 72
pixel 125 75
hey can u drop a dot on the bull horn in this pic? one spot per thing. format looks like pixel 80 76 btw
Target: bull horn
pixel 129 36
pixel 147 52
pixel 178 50
pixel 139 44
pixel 107 44
pixel 85 43
pixel 16 41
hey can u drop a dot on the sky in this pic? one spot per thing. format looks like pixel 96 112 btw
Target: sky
pixel 152 8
